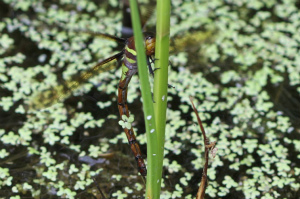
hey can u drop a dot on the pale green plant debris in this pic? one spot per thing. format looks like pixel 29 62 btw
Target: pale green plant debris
pixel 250 145
pixel 174 167
pixel 183 181
pixel 138 186
pixel 27 186
pixel 211 173
pixel 230 76
pixel 116 139
pixel 229 182
pixel 50 136
pixel 177 192
pixel 103 105
pixel 236 147
pixel 4 174
pixel 6 103
pixel 117 177
pixel 80 119
pixel 11 138
pixel 94 151
pixel 104 145
pixel 5 41
pixel 231 156
pixel 223 191
pixel 66 193
pixel 94 123
pixel 94 173
pixel 128 190
pixel 120 195
pixel 297 145
pixel 126 121
pixel 84 170
pixel 295 186
pixel 67 131
pixel 80 185
pixel 73 169
pixel 166 194
pixel 235 166
pixel 51 173
pixel 61 166
pixel 211 191
pixel 15 197
pixel 46 157
pixel 3 153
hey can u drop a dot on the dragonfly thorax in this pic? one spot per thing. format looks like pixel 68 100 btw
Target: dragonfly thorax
pixel 130 51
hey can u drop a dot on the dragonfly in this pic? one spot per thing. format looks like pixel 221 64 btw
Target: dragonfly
pixel 129 68
pixel 127 57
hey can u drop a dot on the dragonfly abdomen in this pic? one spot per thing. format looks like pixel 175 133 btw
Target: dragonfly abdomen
pixel 123 109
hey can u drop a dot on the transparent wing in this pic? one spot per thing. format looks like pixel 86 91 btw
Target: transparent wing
pixel 57 94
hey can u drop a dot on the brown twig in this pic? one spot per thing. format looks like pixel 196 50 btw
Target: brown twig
pixel 208 146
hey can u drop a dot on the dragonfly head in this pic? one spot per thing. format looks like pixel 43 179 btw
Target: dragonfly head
pixel 149 43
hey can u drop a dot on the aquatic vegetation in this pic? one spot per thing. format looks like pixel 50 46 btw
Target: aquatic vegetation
pixel 238 59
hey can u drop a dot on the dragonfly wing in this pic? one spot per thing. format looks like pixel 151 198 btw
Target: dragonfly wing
pixel 105 36
pixel 57 94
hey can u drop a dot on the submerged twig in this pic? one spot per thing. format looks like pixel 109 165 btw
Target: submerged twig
pixel 209 146
pixel 98 188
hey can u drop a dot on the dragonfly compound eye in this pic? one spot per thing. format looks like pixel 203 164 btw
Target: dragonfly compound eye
pixel 150 45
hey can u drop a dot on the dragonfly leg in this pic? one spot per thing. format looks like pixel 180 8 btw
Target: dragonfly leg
pixel 150 61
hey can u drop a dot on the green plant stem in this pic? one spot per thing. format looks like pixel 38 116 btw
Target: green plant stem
pixel 149 115
pixel 160 90
pixel 154 117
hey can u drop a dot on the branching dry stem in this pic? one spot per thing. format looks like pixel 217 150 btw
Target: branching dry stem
pixel 209 146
